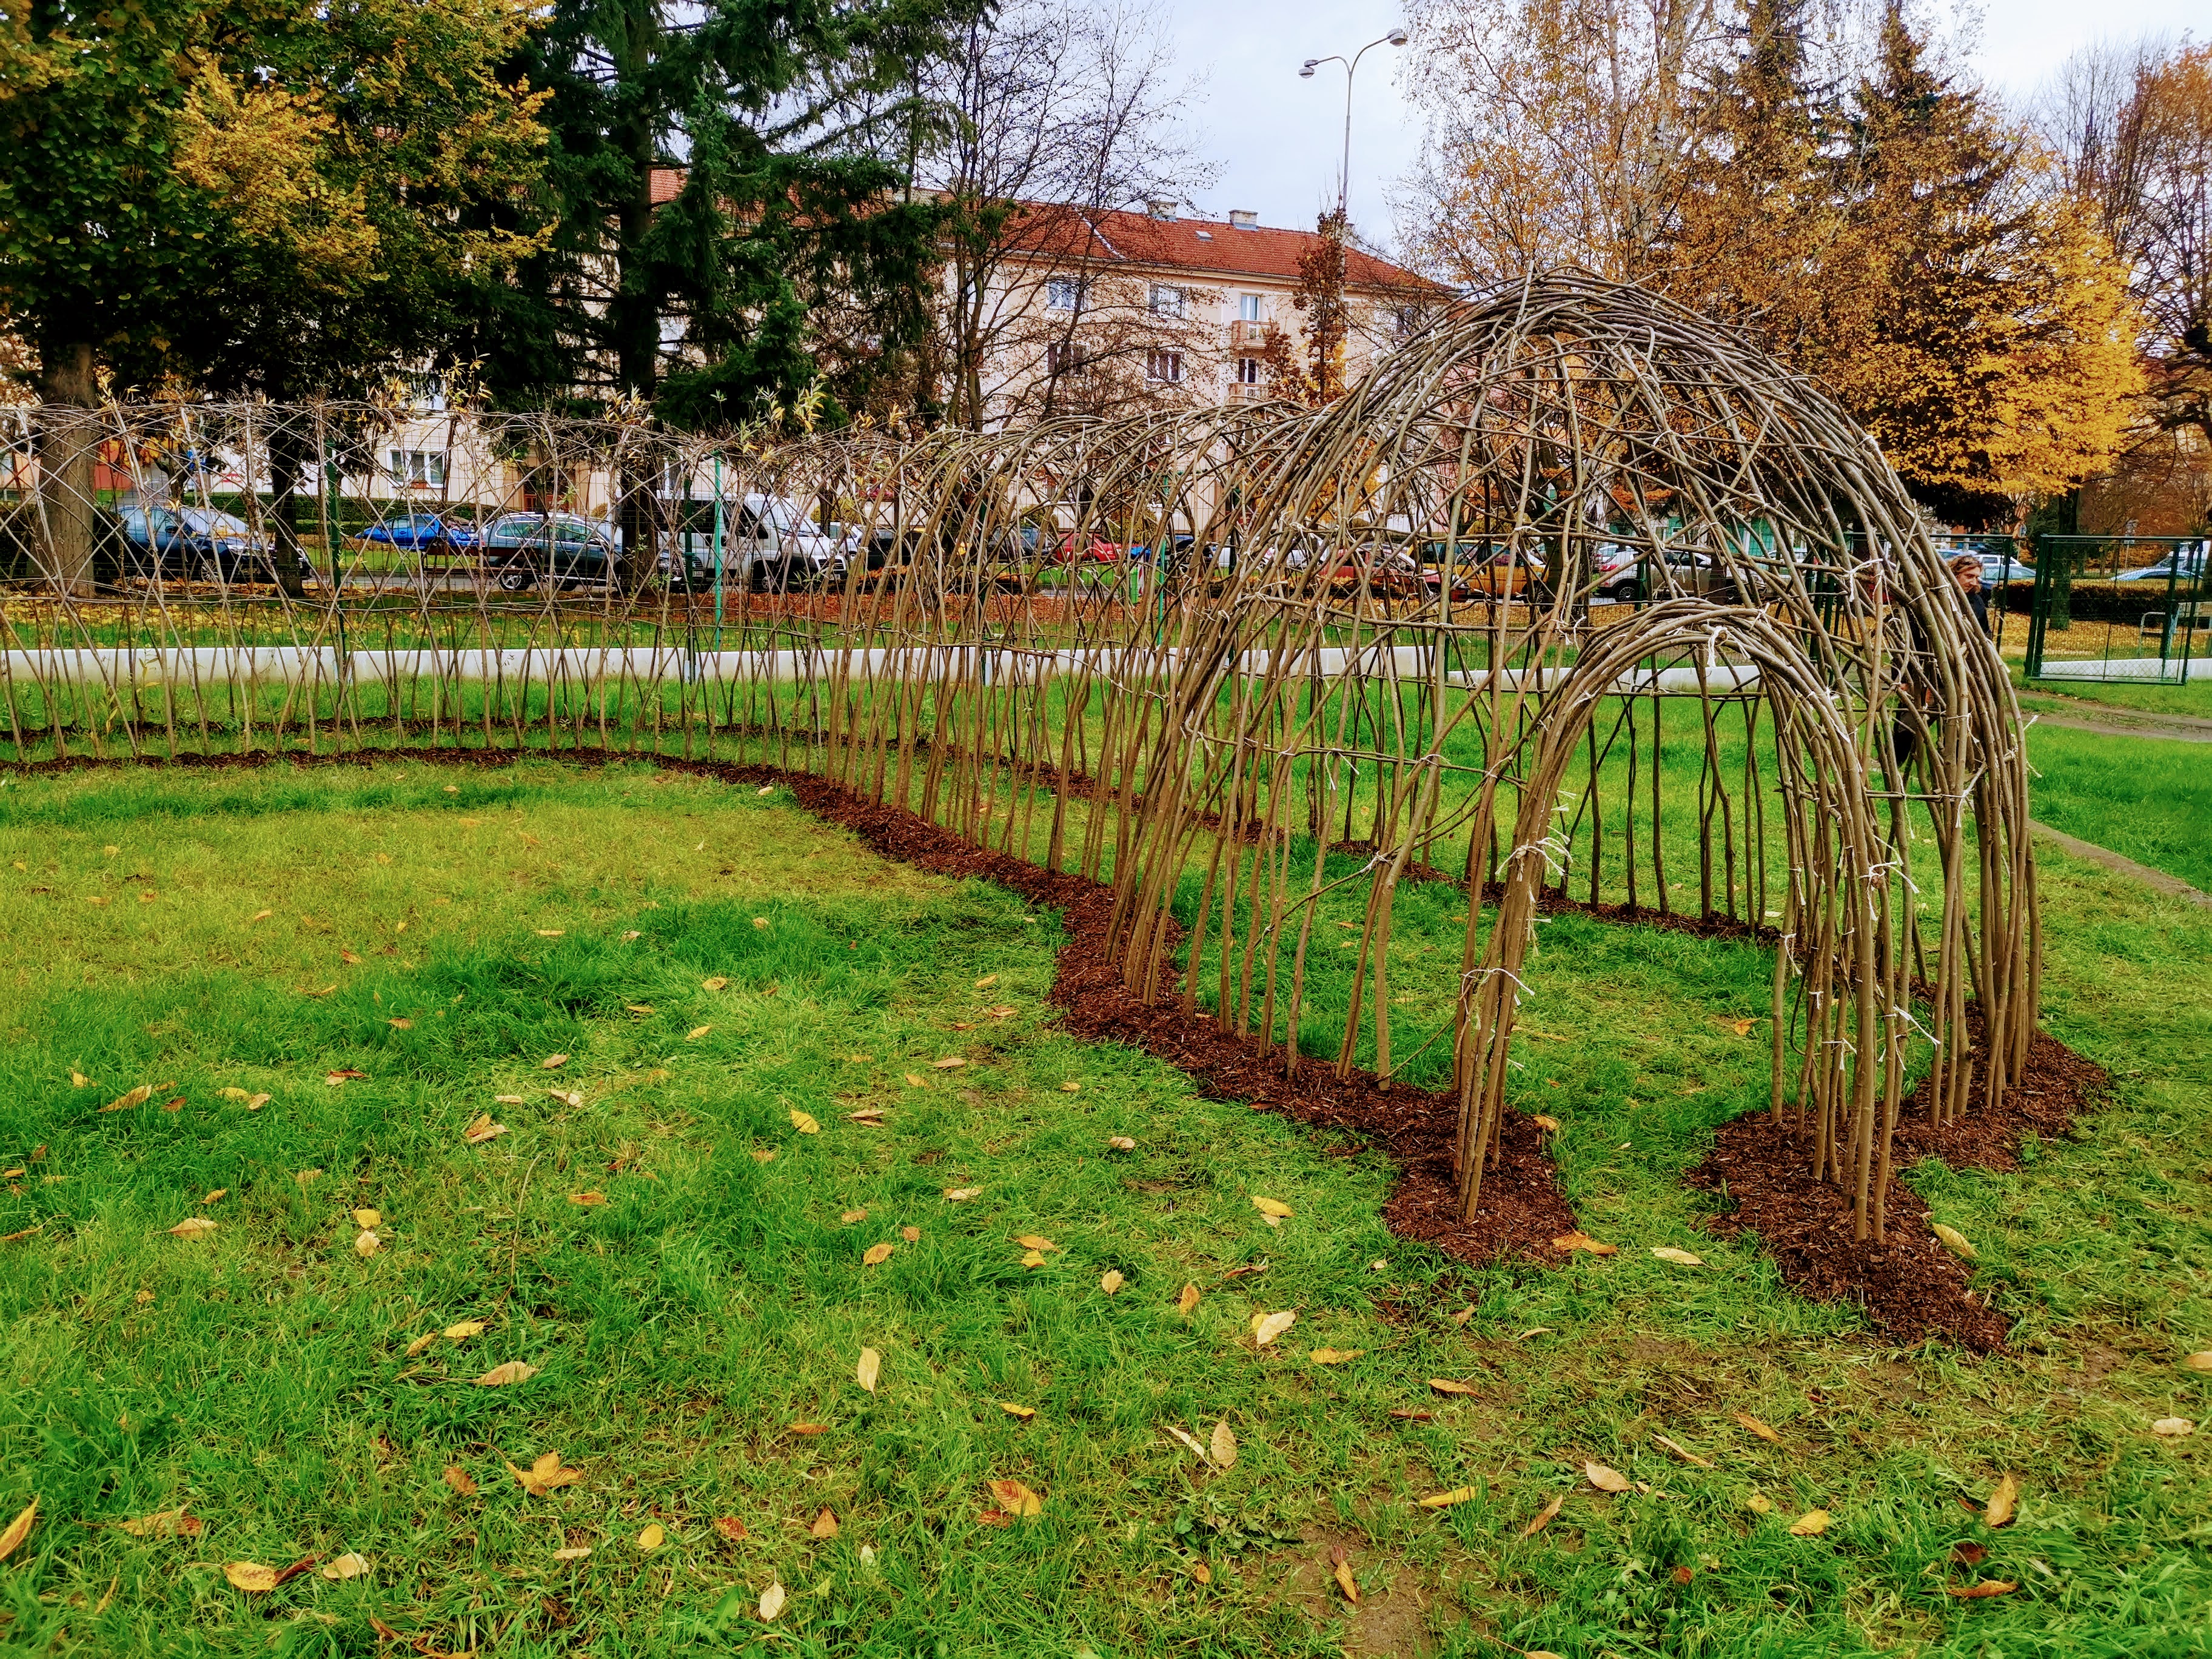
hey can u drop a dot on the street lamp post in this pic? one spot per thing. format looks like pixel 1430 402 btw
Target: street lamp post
pixel 1396 38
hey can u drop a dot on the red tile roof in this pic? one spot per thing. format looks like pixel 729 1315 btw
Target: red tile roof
pixel 1211 246
pixel 1208 245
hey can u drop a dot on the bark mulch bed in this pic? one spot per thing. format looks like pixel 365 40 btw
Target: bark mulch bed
pixel 1521 1210
pixel 1911 1287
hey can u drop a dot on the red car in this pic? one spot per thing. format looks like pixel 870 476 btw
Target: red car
pixel 1092 547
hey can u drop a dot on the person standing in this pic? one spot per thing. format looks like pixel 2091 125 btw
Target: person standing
pixel 1967 570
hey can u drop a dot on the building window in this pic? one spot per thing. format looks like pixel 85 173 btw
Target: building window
pixel 419 466
pixel 1248 307
pixel 1408 320
pixel 1063 293
pixel 1164 366
pixel 426 392
pixel 1248 371
pixel 1166 301
pixel 1063 357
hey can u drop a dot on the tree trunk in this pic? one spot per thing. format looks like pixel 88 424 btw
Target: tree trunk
pixel 69 438
pixel 287 453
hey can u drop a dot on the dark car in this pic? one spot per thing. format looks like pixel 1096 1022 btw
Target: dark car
pixel 424 532
pixel 569 552
pixel 195 544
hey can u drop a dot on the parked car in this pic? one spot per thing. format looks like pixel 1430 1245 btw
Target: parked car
pixel 2183 564
pixel 1087 548
pixel 1489 569
pixel 1393 573
pixel 1999 568
pixel 421 533
pixel 196 544
pixel 525 548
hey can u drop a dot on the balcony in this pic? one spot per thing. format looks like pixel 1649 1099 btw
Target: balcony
pixel 1243 392
pixel 1251 335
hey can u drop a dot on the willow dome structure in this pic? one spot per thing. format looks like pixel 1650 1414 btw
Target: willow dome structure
pixel 1538 442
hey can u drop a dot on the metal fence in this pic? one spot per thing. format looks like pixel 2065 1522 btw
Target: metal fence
pixel 2120 608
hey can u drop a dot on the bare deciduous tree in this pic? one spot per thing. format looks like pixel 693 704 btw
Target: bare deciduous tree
pixel 1062 116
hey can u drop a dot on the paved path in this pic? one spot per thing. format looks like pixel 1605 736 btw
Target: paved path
pixel 2157 880
pixel 2109 720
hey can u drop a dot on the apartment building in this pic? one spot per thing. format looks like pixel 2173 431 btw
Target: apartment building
pixel 1104 312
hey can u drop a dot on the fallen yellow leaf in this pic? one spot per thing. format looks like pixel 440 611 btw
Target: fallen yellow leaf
pixel 804 1124
pixel 514 1370
pixel 1444 1500
pixel 913 1082
pixel 464 1330
pixel 365 1242
pixel 421 1343
pixel 1274 1208
pixel 482 1129
pixel 825 1523
pixel 1342 1574
pixel 1223 1446
pixel 1071 1087
pixel 1266 1327
pixel 1605 1478
pixel 1201 1572
pixel 1758 1428
pixel 588 1199
pixel 950 1063
pixel 652 1537
pixel 2173 1428
pixel 1544 1515
pixel 137 1097
pixel 193 1226
pixel 1446 1385
pixel 2199 1362
pixel 20 1528
pixel 1759 1503
pixel 367 1219
pixel 216 1194
pixel 1017 1499
pixel 2001 1501
pixel 871 1367
pixel 1025 1412
pixel 713 984
pixel 1187 1302
pixel 850 1216
pixel 771 1599
pixel 1033 1258
pixel 1680 1451
pixel 1811 1524
pixel 1581 1241
pixel 250 1576
pixel 1335 1356
pixel 1679 1258
pixel 876 1254
pixel 1121 1144
pixel 1987 1587
pixel 573 1553
pixel 348 1566
pixel 540 1478
pixel 961 1194
pixel 1036 1241
pixel 698 1031
pixel 166 1523
pixel 1110 1281
pixel 1550 1126
pixel 1954 1241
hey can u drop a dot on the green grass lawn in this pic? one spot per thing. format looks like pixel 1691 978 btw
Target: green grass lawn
pixel 446 933
pixel 2147 799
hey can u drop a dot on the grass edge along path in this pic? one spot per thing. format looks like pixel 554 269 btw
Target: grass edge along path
pixel 1911 1288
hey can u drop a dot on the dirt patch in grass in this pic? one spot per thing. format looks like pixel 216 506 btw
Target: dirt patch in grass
pixel 1911 1287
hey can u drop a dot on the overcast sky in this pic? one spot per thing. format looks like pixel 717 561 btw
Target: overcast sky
pixel 1276 138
